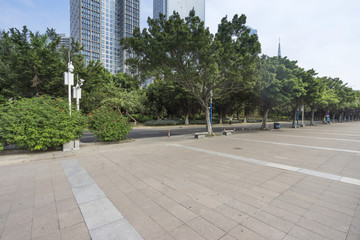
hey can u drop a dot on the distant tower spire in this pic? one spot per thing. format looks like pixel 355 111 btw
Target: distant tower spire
pixel 279 50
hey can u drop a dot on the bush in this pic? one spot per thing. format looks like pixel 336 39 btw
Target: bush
pixel 141 118
pixel 164 122
pixel 39 123
pixel 108 125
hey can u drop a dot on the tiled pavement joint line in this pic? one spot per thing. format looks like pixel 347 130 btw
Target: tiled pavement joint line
pixel 301 146
pixel 329 176
pixel 102 218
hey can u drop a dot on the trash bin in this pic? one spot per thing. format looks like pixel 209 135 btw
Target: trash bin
pixel 276 125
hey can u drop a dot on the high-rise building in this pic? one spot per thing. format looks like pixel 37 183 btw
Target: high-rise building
pixel 183 7
pixel 99 26
pixel 64 41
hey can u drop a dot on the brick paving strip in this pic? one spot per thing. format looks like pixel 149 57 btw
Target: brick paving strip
pixel 329 176
pixel 102 218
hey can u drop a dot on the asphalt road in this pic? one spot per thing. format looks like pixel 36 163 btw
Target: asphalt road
pixel 153 132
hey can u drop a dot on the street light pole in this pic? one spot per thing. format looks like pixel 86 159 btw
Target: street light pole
pixel 77 93
pixel 69 80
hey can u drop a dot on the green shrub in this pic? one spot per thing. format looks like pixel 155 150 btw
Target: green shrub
pixel 108 125
pixel 164 122
pixel 141 118
pixel 39 123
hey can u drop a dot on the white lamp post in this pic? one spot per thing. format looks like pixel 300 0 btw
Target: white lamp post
pixel 69 80
pixel 77 93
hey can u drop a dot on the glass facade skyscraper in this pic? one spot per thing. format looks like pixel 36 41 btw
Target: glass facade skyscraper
pixel 99 26
pixel 183 7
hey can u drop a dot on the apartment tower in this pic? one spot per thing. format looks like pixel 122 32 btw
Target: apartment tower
pixel 99 26
pixel 183 7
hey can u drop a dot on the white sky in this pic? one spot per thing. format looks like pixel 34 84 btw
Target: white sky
pixel 319 34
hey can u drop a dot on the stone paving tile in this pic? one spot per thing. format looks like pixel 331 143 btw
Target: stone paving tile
pixel 232 213
pixel 166 220
pixel 206 229
pixel 120 229
pixel 182 213
pixel 184 232
pixel 338 216
pixel 78 232
pixel 321 229
pixel 2 223
pixel 263 229
pixel 243 233
pixel 148 228
pixel 242 207
pixel 18 232
pixel 70 218
pixel 133 214
pixel 44 211
pixel 44 226
pixel 18 217
pixel 88 193
pixel 289 237
pixel 354 231
pixel 337 198
pixel 166 236
pixel 281 213
pixel 99 212
pixel 194 206
pixel 335 207
pixel 22 204
pixel 150 207
pixel 52 236
pixel 227 237
pixel 219 220
pixel 288 206
pixel 328 221
pixel 274 221
pixel 5 208
pixel 294 201
pixel 304 234
pixel 66 205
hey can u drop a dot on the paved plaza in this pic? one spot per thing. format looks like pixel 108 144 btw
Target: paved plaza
pixel 281 184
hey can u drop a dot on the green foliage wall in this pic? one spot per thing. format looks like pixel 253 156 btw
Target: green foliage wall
pixel 39 123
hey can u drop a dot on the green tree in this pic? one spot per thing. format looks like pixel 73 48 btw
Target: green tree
pixel 30 64
pixel 188 54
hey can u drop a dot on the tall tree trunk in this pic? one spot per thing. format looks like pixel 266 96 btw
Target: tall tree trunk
pixel 312 123
pixel 245 118
pixel 334 117
pixel 237 115
pixel 294 123
pixel 221 116
pixel 324 119
pixel 187 118
pixel 208 123
pixel 131 118
pixel 264 125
